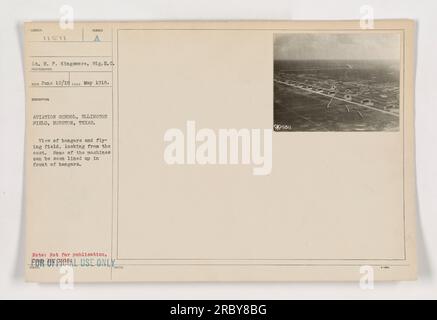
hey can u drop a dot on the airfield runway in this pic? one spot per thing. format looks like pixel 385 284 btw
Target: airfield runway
pixel 299 109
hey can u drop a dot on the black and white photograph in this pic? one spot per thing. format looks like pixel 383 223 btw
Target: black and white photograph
pixel 337 81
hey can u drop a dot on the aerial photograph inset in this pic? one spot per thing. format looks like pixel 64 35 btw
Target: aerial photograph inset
pixel 336 81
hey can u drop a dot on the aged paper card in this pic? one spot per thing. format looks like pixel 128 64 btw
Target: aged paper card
pixel 220 151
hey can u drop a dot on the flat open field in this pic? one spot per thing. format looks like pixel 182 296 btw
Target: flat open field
pixel 299 110
pixel 336 96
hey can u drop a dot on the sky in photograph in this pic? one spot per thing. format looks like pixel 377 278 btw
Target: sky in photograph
pixel 338 46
